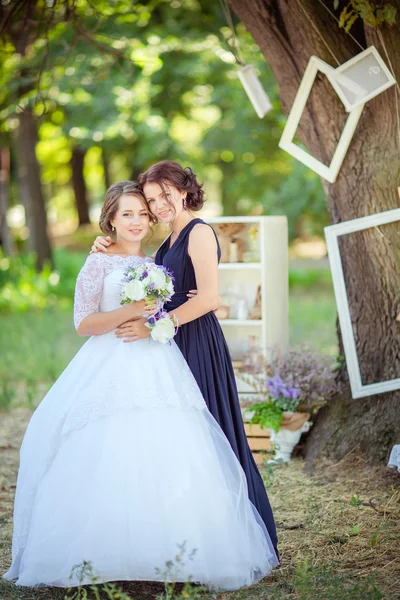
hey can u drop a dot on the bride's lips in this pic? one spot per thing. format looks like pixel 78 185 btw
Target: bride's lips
pixel 163 213
pixel 135 231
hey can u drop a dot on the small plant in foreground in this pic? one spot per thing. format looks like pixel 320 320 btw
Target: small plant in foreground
pixel 171 575
pixel 7 393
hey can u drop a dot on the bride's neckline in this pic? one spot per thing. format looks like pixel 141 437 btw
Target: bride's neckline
pixel 126 255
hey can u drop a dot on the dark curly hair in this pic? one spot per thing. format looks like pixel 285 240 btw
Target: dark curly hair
pixel 111 203
pixel 182 178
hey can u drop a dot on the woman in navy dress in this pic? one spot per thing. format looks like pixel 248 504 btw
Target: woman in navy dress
pixel 192 253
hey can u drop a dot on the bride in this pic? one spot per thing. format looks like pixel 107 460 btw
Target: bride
pixel 122 461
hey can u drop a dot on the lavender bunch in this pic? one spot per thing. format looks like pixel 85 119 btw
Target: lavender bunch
pixel 285 396
pixel 308 371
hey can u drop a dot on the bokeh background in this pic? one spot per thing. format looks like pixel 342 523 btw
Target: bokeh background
pixel 97 96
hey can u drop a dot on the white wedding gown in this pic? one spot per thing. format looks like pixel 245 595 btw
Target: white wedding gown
pixel 122 462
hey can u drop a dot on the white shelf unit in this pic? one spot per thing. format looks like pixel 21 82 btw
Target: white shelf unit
pixel 271 272
pixel 233 266
pixel 241 323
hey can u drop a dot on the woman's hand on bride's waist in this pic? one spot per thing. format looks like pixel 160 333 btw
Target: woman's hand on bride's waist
pixel 193 293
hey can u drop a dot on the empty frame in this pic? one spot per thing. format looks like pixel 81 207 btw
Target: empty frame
pixel 330 172
pixel 361 78
pixel 332 233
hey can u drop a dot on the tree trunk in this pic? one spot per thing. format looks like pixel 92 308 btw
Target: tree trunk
pixel 29 177
pixel 106 167
pixel 136 171
pixel 229 203
pixel 6 240
pixel 367 184
pixel 79 185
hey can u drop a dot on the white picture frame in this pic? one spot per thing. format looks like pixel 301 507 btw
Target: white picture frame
pixel 254 90
pixel 332 233
pixel 330 172
pixel 361 78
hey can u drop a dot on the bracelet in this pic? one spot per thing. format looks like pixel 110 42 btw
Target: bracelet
pixel 175 320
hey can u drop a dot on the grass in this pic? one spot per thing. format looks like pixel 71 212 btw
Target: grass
pixel 35 347
pixel 338 530
pixel 312 318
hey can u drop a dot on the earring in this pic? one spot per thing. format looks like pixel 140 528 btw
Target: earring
pixel 112 228
pixel 184 203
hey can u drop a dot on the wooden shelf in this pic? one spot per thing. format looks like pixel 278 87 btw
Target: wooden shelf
pixel 270 271
pixel 218 220
pixel 240 265
pixel 238 322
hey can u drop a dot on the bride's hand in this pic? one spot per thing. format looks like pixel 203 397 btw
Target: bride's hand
pixel 140 309
pixel 100 244
pixel 133 330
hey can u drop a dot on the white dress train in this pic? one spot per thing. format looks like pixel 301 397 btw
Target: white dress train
pixel 122 462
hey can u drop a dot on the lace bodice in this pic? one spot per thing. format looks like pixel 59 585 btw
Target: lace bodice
pixel 99 283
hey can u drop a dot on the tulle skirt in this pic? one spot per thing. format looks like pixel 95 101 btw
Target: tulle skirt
pixel 123 467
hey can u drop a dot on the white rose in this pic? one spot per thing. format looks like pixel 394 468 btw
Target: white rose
pixel 170 287
pixel 158 278
pixel 146 281
pixel 134 290
pixel 163 331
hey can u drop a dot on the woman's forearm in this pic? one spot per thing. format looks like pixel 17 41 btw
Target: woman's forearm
pixel 196 307
pixel 102 322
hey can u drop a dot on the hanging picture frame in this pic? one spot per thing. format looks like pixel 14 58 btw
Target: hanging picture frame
pixel 330 172
pixel 254 90
pixel 332 234
pixel 361 78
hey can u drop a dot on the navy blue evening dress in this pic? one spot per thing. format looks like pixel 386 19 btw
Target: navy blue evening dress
pixel 203 345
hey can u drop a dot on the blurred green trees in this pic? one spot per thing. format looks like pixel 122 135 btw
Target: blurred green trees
pixel 99 91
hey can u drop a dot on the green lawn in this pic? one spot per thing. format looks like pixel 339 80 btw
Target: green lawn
pixel 312 317
pixel 35 347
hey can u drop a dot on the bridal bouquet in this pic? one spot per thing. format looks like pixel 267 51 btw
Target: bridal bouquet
pixel 155 285
pixel 150 282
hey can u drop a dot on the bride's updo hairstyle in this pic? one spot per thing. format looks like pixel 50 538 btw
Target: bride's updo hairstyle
pixel 111 203
pixel 170 172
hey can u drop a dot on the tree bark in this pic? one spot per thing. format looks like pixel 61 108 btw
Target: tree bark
pixel 29 177
pixel 136 171
pixel 6 240
pixel 106 167
pixel 30 180
pixel 79 185
pixel 367 184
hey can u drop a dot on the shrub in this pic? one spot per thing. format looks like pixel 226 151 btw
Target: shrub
pixel 23 288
